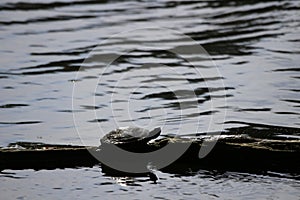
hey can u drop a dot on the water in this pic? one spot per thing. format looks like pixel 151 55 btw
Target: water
pixel 255 46
pixel 89 183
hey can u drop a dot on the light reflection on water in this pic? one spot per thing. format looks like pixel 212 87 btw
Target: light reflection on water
pixel 90 183
pixel 254 44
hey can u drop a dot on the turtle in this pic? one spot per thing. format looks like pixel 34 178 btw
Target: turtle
pixel 133 139
pixel 131 135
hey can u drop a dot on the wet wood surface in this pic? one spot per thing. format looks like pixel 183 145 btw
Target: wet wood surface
pixel 237 153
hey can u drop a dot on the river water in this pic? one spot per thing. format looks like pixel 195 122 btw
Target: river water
pixel 73 70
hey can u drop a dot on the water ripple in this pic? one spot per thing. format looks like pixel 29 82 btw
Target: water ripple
pixel 254 46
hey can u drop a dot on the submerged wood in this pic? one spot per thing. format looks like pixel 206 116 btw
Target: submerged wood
pixel 230 153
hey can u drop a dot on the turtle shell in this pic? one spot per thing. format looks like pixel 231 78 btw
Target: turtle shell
pixel 128 135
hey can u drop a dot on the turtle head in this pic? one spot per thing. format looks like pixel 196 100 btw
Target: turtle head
pixel 154 133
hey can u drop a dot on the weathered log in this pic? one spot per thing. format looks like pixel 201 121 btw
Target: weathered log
pixel 30 155
pixel 230 153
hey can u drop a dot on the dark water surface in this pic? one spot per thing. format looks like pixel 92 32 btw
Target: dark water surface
pixel 255 45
